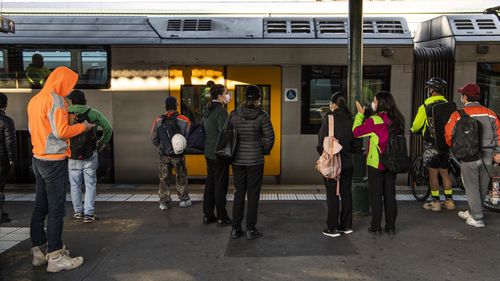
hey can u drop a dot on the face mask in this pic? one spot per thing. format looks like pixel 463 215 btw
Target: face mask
pixel 374 107
pixel 228 98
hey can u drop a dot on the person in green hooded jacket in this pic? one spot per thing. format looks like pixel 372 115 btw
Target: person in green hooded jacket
pixel 217 182
pixel 84 170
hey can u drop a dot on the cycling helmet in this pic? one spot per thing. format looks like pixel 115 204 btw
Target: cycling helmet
pixel 437 84
pixel 179 143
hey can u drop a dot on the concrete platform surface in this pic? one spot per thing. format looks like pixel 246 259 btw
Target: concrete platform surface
pixel 136 241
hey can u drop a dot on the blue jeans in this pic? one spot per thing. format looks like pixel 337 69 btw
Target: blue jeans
pixel 51 180
pixel 81 171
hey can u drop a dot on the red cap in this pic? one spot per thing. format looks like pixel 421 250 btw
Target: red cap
pixel 471 90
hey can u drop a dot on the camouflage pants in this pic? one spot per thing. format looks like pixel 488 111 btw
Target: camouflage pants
pixel 166 166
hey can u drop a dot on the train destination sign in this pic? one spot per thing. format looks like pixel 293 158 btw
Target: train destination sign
pixel 7 25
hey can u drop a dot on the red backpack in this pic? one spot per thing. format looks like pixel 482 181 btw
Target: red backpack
pixel 329 163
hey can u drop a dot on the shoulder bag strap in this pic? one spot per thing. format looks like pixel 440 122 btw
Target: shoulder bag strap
pixel 331 127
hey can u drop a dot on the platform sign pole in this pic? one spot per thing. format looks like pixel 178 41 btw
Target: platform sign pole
pixel 354 89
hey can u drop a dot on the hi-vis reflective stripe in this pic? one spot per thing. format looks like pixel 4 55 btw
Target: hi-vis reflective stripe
pixel 480 115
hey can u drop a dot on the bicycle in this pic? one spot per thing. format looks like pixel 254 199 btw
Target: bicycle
pixel 418 178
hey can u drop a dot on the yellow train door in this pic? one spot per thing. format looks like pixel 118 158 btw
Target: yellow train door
pixel 268 78
pixel 188 85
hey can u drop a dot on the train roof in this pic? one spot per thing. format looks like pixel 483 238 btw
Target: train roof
pixel 196 30
pixel 463 28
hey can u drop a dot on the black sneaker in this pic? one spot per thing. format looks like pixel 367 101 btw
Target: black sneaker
pixel 209 220
pixel 224 222
pixel 78 215
pixel 331 232
pixel 374 232
pixel 346 230
pixel 89 218
pixel 236 233
pixel 253 234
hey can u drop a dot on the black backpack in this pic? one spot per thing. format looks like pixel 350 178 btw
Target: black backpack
pixel 395 157
pixel 168 127
pixel 466 140
pixel 196 139
pixel 438 114
pixel 83 145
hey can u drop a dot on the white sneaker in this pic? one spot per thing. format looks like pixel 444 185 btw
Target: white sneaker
pixel 60 260
pixel 39 257
pixel 464 215
pixel 475 223
pixel 164 206
pixel 185 203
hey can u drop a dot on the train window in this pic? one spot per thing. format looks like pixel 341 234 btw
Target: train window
pixel 94 68
pixel 319 82
pixel 37 64
pixel 193 99
pixel 6 80
pixel 488 78
pixel 265 98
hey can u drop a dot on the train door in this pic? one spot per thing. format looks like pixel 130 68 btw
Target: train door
pixel 268 78
pixel 188 85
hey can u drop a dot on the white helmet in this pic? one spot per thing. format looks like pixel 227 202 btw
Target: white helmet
pixel 179 143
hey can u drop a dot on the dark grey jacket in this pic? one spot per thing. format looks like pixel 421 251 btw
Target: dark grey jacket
pixel 255 135
pixel 8 146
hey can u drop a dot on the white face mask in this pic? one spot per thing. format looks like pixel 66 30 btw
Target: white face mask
pixel 228 98
pixel 374 107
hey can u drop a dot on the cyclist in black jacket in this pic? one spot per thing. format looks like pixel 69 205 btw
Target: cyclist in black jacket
pixel 7 151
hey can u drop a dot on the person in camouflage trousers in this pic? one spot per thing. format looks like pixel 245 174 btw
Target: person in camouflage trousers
pixel 169 162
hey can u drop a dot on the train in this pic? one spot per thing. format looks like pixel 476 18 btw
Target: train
pixel 127 65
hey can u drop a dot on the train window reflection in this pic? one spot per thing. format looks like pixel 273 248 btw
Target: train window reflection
pixel 193 100
pixel 320 82
pixel 265 91
pixel 488 78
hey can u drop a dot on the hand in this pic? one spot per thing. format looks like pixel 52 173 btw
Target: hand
pixel 496 158
pixel 11 163
pixel 361 109
pixel 101 146
pixel 88 125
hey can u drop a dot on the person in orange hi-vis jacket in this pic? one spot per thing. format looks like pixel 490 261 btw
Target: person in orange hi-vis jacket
pixel 50 131
pixel 475 173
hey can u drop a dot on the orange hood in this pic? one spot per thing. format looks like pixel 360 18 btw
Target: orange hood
pixel 61 81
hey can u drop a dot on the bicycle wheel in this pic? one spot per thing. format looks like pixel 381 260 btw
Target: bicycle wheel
pixel 418 180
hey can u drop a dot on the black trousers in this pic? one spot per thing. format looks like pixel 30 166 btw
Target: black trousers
pixel 247 181
pixel 382 189
pixel 332 201
pixel 214 195
pixel 4 174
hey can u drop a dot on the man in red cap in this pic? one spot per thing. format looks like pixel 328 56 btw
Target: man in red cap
pixel 483 136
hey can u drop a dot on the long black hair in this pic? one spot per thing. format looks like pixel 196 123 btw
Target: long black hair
pixel 339 99
pixel 386 103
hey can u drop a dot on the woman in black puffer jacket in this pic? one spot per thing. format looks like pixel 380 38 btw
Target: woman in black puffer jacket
pixel 255 139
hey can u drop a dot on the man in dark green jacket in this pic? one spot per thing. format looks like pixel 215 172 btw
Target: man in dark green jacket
pixel 214 195
pixel 84 169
